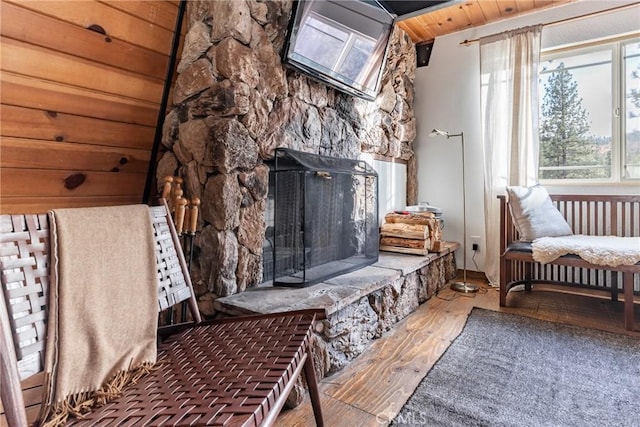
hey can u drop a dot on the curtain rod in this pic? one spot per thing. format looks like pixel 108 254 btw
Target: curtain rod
pixel 562 21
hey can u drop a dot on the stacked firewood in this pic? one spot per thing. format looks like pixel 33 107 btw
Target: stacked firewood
pixel 411 233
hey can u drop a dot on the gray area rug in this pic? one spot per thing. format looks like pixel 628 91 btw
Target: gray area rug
pixel 508 370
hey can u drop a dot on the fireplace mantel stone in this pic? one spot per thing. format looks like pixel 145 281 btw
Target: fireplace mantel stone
pixel 360 305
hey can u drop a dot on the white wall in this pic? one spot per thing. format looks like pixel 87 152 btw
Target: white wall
pixel 448 98
pixel 392 185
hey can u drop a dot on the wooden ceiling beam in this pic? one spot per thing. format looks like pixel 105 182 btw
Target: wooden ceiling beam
pixel 472 13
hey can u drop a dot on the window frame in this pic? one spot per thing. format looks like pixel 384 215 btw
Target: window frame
pixel 347 44
pixel 618 106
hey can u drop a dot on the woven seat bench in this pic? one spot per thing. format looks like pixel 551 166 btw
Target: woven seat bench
pixel 585 214
pixel 229 372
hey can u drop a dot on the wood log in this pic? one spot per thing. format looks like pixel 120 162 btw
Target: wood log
pixel 420 218
pixel 435 228
pixel 405 243
pixel 437 246
pixel 410 251
pixel 407 231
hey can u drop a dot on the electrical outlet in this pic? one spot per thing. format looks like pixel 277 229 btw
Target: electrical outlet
pixel 475 243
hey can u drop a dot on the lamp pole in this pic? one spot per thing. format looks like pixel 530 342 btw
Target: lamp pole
pixel 461 286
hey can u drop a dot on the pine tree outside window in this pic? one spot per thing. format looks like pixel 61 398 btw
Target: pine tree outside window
pixel 590 113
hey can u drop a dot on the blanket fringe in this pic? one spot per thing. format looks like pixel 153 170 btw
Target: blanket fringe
pixel 78 404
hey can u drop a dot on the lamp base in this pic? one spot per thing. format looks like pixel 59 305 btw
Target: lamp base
pixel 463 287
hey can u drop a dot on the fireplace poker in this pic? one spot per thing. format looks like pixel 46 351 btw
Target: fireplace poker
pixel 192 226
pixel 181 207
pixel 167 187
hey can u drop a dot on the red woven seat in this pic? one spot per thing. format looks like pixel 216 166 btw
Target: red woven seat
pixel 225 374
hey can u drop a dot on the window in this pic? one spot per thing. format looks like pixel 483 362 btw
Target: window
pixel 590 113
pixel 335 47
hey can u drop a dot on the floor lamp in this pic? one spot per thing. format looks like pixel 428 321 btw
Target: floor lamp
pixel 460 286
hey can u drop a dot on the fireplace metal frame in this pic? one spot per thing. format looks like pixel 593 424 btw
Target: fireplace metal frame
pixel 352 252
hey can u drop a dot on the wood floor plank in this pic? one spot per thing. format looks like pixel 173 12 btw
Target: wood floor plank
pixel 335 413
pixel 409 351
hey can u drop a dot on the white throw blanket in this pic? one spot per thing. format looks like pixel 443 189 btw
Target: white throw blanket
pixel 610 251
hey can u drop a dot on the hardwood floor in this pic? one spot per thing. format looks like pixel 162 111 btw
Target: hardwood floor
pixel 371 390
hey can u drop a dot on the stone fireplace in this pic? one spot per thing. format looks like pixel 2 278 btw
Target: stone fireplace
pixel 234 103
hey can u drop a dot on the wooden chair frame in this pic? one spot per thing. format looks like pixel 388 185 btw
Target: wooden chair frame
pixel 234 371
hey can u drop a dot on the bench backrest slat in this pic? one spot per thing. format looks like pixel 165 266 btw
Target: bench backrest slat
pixel 586 214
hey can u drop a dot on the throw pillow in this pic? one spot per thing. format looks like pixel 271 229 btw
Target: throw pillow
pixel 534 214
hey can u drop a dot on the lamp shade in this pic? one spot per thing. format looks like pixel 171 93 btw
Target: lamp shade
pixel 438 132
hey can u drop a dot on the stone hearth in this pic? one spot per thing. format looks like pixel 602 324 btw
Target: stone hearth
pixel 360 305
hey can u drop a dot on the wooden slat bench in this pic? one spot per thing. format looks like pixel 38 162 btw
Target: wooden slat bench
pixel 585 214
pixel 230 372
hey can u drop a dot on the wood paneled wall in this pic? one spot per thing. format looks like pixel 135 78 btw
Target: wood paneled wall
pixel 79 106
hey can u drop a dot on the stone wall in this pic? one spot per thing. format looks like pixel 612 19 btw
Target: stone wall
pixel 234 103
pixel 348 332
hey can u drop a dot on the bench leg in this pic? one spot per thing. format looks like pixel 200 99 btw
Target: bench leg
pixel 314 394
pixel 503 296
pixel 527 275
pixel 505 276
pixel 627 283
pixel 614 286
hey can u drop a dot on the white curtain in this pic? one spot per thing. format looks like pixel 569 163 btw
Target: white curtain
pixel 509 72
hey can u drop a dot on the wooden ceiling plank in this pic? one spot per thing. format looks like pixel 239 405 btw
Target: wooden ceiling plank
pixel 429 25
pixel 77 41
pixel 20 205
pixel 525 5
pixel 24 91
pixel 490 9
pixel 426 32
pixel 160 13
pixel 451 19
pixel 52 126
pixel 408 28
pixel 30 60
pixel 35 154
pixel 46 183
pixel 542 3
pixel 116 23
pixel 471 13
pixel 508 8
pixel 474 13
